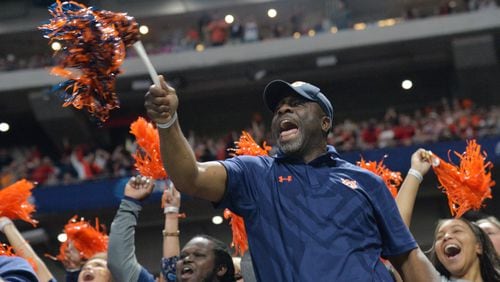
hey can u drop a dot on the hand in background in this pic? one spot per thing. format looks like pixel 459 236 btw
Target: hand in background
pixel 139 187
pixel 421 161
pixel 74 260
pixel 171 197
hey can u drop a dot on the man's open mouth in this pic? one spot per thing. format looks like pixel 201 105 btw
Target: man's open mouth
pixel 186 270
pixel 287 128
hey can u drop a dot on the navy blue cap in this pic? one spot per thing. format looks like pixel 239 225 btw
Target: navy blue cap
pixel 279 89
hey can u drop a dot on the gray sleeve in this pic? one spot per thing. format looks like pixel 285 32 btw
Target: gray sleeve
pixel 122 261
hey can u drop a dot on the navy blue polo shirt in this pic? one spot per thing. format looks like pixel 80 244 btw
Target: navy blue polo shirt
pixel 327 220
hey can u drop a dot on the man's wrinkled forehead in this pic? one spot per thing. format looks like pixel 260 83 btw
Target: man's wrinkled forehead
pixel 290 97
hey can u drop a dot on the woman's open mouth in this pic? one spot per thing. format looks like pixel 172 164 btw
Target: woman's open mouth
pixel 452 250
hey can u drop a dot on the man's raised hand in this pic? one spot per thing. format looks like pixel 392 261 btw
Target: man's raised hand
pixel 161 102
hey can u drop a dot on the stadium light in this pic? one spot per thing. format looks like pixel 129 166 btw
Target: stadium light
pixel 359 26
pixel 272 13
pixel 56 46
pixel 62 237
pixel 199 47
pixel 143 29
pixel 4 127
pixel 229 19
pixel 217 219
pixel 407 84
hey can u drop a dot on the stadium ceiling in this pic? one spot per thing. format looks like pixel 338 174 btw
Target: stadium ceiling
pixel 26 15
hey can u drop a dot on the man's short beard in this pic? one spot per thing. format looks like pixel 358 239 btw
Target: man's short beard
pixel 293 146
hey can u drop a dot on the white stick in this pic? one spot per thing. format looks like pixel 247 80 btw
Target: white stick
pixel 139 48
pixel 170 186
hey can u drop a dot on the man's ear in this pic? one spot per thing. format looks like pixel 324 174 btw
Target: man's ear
pixel 221 270
pixel 326 124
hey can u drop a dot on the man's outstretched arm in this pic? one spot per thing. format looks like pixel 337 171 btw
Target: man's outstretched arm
pixel 414 266
pixel 204 180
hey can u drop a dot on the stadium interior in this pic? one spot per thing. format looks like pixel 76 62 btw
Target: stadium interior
pixel 448 52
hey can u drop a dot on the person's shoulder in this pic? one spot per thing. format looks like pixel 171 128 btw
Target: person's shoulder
pixel 8 262
pixel 343 164
pixel 254 160
pixel 12 265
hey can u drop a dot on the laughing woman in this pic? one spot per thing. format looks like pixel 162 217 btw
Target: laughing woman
pixel 461 250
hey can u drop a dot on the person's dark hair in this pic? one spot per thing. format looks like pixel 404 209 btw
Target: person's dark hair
pixel 489 262
pixel 222 258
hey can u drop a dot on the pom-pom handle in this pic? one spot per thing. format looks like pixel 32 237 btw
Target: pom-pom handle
pixel 139 48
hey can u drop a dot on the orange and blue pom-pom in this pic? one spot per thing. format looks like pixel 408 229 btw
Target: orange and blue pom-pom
pixel 93 49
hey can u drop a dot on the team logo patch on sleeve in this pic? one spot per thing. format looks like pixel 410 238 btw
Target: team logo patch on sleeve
pixel 350 183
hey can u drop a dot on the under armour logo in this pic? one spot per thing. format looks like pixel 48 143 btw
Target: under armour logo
pixel 350 183
pixel 288 179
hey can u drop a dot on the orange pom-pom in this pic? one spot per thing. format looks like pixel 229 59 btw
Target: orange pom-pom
pixel 14 202
pixel 87 239
pixel 391 178
pixel 469 184
pixel 148 158
pixel 6 250
pixel 247 146
pixel 240 239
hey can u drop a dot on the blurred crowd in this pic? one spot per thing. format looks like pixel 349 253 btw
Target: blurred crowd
pixel 455 120
pixel 212 30
pixel 458 120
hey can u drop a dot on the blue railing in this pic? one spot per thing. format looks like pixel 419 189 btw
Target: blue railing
pixel 107 193
pixel 398 158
